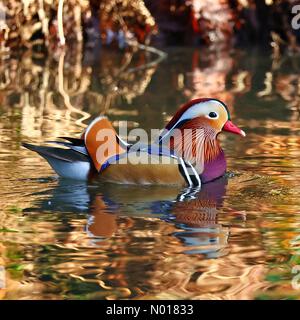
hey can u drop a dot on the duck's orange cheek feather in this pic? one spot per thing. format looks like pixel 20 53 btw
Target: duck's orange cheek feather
pixel 217 124
pixel 203 122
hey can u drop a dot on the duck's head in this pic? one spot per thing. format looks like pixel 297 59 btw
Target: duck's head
pixel 207 113
pixel 192 134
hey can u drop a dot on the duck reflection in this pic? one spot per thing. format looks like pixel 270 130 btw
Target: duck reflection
pixel 193 212
pixel 197 217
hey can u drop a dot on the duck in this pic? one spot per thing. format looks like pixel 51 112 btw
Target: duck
pixel 185 153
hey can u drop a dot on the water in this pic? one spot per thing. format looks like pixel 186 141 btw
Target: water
pixel 237 238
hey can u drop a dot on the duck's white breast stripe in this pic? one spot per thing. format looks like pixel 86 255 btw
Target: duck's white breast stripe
pixel 187 176
pixel 195 173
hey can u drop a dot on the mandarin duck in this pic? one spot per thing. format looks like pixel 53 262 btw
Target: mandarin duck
pixel 186 152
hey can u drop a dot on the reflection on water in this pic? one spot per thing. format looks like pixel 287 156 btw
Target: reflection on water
pixel 194 211
pixel 237 237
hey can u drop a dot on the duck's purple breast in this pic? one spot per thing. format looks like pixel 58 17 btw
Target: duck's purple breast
pixel 214 169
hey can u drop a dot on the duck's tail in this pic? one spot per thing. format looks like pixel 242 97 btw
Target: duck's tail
pixel 67 163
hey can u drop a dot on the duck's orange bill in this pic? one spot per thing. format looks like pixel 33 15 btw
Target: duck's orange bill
pixel 231 127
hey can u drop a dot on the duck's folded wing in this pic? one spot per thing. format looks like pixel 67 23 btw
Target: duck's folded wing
pixel 149 164
pixel 142 167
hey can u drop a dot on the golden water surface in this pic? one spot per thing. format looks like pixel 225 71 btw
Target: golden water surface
pixel 237 238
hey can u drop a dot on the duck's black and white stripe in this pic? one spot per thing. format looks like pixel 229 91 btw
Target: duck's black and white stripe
pixel 189 173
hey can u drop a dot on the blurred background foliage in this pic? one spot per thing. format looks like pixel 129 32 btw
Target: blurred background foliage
pixel 50 23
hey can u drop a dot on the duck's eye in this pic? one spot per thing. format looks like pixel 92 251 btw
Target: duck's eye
pixel 213 114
